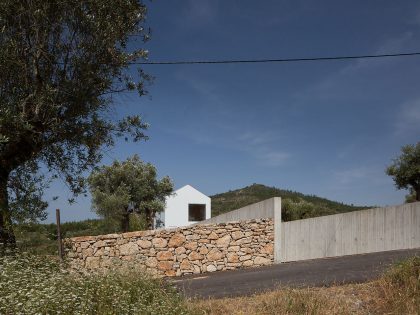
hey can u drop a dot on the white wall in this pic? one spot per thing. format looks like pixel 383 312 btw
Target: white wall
pixel 176 211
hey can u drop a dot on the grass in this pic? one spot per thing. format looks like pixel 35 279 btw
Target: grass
pixel 396 292
pixel 38 285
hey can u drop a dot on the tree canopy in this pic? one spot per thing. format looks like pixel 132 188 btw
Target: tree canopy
pixel 60 64
pixel 128 187
pixel 405 170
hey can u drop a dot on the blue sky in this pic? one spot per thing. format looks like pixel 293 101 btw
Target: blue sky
pixel 323 128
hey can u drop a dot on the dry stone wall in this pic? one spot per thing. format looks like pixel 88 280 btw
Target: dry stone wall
pixel 176 252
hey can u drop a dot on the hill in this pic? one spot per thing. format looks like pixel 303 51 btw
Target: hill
pixel 295 205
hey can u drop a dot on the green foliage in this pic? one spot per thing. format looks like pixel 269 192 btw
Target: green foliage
pixel 60 64
pixel 405 169
pixel 128 187
pixel 41 239
pixel 294 205
pixel 37 285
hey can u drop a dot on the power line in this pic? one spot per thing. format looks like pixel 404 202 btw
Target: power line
pixel 193 62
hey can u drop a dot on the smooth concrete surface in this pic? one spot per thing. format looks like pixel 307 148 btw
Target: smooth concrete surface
pixel 357 232
pixel 261 210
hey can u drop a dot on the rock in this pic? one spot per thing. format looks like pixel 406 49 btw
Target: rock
pixel 185 265
pixel 237 235
pixel 129 249
pixel 99 252
pixel 232 257
pixel 245 257
pixel 177 240
pixel 87 252
pixel 194 256
pixel 159 242
pixel 164 255
pixel 248 263
pixel 134 234
pixel 262 261
pixel 180 250
pixel 151 262
pixel 242 241
pixel 92 262
pixel 191 245
pixel 165 265
pixel 144 243
pixel 214 254
pixel 268 249
pixel 203 250
pixel 224 241
pixel 213 236
pixel 211 268
pixel 170 273
pixel 84 245
pixel 99 244
pixel 196 269
pixel 234 248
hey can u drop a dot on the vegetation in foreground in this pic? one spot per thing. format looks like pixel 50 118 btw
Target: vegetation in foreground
pixel 396 292
pixel 37 285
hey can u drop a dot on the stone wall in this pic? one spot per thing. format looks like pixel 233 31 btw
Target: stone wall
pixel 176 252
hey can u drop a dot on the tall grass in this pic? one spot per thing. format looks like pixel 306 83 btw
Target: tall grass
pixel 37 285
pixel 396 292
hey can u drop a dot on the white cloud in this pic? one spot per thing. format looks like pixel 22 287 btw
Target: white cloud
pixel 273 158
pixel 262 146
pixel 350 176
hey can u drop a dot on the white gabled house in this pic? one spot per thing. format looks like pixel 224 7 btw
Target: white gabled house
pixel 184 207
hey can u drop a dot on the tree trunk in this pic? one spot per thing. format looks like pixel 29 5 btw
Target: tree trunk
pixel 7 237
pixel 125 222
pixel 418 194
pixel 149 219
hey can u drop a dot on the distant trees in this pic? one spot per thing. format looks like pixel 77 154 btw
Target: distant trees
pixel 128 187
pixel 405 170
pixel 60 64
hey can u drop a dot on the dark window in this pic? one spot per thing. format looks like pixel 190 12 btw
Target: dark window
pixel 196 212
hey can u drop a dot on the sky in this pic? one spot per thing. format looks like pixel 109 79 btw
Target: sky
pixel 323 128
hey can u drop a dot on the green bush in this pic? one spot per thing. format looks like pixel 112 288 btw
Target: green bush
pixel 37 285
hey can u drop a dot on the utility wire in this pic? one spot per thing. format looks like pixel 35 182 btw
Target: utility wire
pixel 194 62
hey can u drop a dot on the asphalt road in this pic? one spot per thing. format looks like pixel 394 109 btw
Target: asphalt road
pixel 308 273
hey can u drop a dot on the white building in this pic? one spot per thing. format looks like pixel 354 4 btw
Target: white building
pixel 186 206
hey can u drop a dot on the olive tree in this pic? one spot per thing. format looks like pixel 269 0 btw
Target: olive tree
pixel 128 187
pixel 60 64
pixel 405 170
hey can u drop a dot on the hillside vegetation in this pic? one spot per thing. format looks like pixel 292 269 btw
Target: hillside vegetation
pixel 295 205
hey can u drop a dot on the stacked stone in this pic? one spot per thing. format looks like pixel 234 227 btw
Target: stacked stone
pixel 190 250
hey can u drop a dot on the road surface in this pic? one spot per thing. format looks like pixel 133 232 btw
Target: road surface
pixel 308 273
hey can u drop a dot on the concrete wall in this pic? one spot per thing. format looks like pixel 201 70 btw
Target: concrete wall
pixel 262 209
pixel 357 232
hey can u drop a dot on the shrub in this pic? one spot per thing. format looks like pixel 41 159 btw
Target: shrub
pixel 399 289
pixel 37 285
